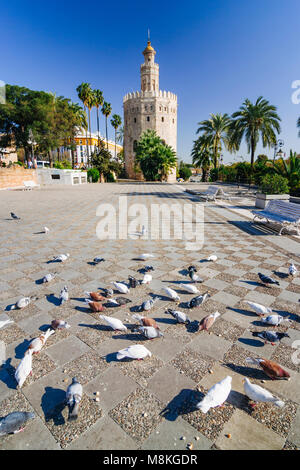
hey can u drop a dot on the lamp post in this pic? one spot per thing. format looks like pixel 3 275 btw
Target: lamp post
pixel 278 149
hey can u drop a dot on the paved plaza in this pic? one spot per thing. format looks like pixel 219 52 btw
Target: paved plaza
pixel 147 404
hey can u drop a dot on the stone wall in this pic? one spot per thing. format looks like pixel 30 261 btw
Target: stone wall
pixel 13 177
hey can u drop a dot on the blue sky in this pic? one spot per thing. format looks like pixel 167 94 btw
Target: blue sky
pixel 212 54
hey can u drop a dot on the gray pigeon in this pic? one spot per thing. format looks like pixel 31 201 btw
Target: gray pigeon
pixel 14 422
pixel 148 304
pixel 149 331
pixel 74 396
pixel 23 302
pixel 14 216
pixel 49 277
pixel 270 336
pixel 199 300
pixel 181 317
pixel 64 295
pixel 98 260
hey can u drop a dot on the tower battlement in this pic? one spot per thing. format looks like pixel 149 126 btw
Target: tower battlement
pixel 150 94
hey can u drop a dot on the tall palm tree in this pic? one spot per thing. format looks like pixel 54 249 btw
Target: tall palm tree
pixel 215 130
pixel 98 101
pixel 90 104
pixel 252 121
pixel 80 121
pixel 202 155
pixel 84 92
pixel 116 121
pixel 106 111
pixel 289 168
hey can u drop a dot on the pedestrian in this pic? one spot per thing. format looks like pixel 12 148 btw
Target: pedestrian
pixel 34 163
pixel 29 163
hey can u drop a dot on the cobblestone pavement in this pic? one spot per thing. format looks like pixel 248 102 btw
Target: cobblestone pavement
pixel 146 404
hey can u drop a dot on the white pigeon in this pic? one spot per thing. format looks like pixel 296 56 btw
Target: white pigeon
pixel 36 344
pixel 147 279
pixel 292 270
pixel 216 395
pixel 190 288
pixel 49 277
pixel 121 287
pixel 64 295
pixel 258 308
pixel 5 322
pixel 114 323
pixel 145 256
pixel 46 230
pixel 259 394
pixel 274 320
pixel 22 303
pixel 171 294
pixel 136 351
pixel 62 257
pixel 149 332
pixel 212 258
pixel 24 368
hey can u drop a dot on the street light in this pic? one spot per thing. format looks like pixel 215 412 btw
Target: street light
pixel 278 149
pixel 31 141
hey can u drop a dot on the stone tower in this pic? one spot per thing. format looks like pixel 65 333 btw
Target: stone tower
pixel 149 108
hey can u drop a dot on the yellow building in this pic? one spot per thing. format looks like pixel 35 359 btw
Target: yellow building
pixel 81 152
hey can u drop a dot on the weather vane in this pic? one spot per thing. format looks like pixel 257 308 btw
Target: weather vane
pixel 148 34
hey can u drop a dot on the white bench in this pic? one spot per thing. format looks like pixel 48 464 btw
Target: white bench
pixel 286 214
pixel 213 192
pixel 30 185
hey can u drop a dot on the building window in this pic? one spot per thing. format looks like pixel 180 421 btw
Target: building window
pixel 148 118
pixel 80 142
pixel 162 119
pixel 160 108
pixel 134 119
pixel 173 121
pixel 134 145
pixel 146 107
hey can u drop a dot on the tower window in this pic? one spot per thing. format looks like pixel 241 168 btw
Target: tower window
pixel 160 108
pixel 146 107
pixel 162 119
pixel 173 121
pixel 148 118
pixel 134 145
pixel 135 120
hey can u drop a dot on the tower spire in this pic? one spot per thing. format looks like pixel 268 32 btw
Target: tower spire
pixel 148 34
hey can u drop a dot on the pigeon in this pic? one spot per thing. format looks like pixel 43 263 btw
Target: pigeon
pixel 194 277
pixel 132 282
pixel 23 302
pixel 24 368
pixel 266 279
pixel 5 322
pixel 208 321
pixel 181 317
pixel 98 260
pixel 36 344
pixel 136 351
pixel 145 256
pixel 108 293
pixel 292 270
pixel 274 320
pixel 59 325
pixel 148 304
pixel 259 394
pixel 121 287
pixel 271 368
pixel 14 422
pixel 148 268
pixel 171 294
pixel 145 321
pixel 63 257
pixel 147 279
pixel 74 396
pixel 149 331
pixel 46 230
pixel 114 323
pixel 95 296
pixel 95 306
pixel 14 216
pixel 192 268
pixel 189 288
pixel 64 295
pixel 212 258
pixel 119 301
pixel 199 300
pixel 270 336
pixel 216 395
pixel 258 308
pixel 49 277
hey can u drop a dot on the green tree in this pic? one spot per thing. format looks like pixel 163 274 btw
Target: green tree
pixel 289 169
pixel 202 155
pixel 116 121
pixel 106 111
pixel 215 130
pixel 98 101
pixel 252 121
pixel 102 160
pixel 154 157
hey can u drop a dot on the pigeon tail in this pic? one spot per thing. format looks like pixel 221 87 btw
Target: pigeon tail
pixel 73 415
pixel 278 403
pixel 120 356
pixel 253 361
pixel 204 407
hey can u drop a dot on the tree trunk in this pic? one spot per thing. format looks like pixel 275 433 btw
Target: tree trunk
pixel 106 132
pixel 50 159
pixel 98 126
pixel 87 143
pixel 90 130
pixel 115 143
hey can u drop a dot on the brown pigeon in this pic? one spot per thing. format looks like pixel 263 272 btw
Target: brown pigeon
pixel 146 321
pixel 271 368
pixel 95 296
pixel 95 306
pixel 208 321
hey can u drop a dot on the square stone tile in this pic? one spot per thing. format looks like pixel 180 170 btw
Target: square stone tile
pixel 210 345
pixel 66 350
pixel 160 382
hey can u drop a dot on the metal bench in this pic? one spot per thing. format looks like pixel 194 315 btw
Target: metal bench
pixel 213 192
pixel 30 185
pixel 286 214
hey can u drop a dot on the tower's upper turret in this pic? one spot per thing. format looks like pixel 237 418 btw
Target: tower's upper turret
pixel 149 70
